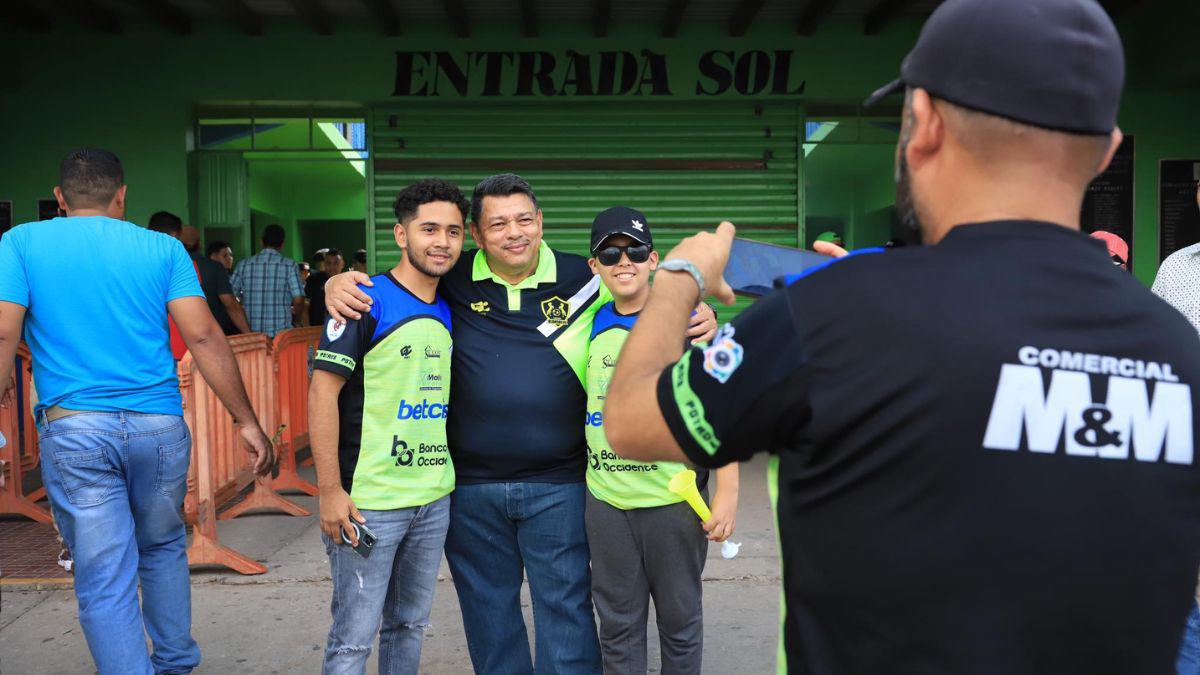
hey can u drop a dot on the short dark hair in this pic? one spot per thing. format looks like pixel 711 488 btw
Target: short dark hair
pixel 215 247
pixel 166 222
pixel 360 256
pixel 272 236
pixel 319 256
pixel 332 252
pixel 500 185
pixel 426 191
pixel 90 178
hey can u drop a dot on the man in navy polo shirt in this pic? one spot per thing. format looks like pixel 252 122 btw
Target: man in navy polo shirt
pixel 115 448
pixel 522 320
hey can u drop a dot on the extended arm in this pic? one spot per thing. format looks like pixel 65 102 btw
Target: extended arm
pixel 236 314
pixel 323 422
pixel 206 341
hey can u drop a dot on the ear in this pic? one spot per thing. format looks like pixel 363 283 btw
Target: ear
pixel 401 235
pixel 926 129
pixel 653 260
pixel 474 228
pixel 594 265
pixel 538 220
pixel 1114 142
pixel 62 201
pixel 117 206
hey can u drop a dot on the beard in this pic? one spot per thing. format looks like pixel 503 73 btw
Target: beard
pixel 906 209
pixel 419 263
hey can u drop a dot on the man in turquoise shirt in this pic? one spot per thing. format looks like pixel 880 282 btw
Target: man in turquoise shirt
pixel 114 445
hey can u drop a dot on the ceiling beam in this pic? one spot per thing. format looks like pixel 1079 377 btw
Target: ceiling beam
pixel 743 15
pixel 93 15
pixel 25 15
pixel 456 11
pixel 248 20
pixel 673 17
pixel 813 13
pixel 385 15
pixel 312 13
pixel 171 17
pixel 601 17
pixel 884 11
pixel 529 18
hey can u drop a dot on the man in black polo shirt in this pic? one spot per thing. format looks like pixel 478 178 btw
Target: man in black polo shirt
pixel 984 446
pixel 522 316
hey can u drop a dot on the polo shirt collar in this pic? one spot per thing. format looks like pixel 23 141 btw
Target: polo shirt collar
pixel 546 272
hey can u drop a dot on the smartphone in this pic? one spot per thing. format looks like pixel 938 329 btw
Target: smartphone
pixel 366 539
pixel 755 266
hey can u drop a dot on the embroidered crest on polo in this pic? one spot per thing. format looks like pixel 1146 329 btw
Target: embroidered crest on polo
pixel 723 356
pixel 334 330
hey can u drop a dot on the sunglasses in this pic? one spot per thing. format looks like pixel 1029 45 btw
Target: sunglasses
pixel 1116 260
pixel 611 255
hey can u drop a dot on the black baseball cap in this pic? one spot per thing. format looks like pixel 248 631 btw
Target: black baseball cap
pixel 621 220
pixel 1056 64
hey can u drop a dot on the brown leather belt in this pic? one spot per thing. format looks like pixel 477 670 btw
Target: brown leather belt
pixel 57 412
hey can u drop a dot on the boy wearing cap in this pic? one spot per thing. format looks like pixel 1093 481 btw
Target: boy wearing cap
pixel 645 540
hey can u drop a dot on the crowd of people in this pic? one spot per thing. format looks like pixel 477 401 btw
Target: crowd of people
pixel 982 446
pixel 259 294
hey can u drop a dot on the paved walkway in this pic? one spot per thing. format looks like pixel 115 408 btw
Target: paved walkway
pixel 276 622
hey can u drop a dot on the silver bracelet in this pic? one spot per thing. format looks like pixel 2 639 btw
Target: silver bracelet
pixel 684 265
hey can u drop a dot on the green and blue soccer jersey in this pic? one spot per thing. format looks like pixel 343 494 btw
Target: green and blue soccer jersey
pixel 393 408
pixel 619 482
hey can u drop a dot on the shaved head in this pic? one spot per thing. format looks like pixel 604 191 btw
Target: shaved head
pixel 1005 144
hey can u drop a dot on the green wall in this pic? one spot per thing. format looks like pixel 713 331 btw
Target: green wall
pixel 136 93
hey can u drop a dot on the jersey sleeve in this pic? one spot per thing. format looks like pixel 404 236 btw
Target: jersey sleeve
pixel 185 280
pixel 743 393
pixel 221 279
pixel 343 345
pixel 14 285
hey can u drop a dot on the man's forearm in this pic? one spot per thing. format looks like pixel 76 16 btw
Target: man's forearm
pixel 323 421
pixel 236 313
pixel 728 481
pixel 220 370
pixel 632 419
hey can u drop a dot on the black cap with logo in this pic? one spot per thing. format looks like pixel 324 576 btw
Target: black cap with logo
pixel 620 220
pixel 1056 64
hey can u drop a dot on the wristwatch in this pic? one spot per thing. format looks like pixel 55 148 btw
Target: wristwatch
pixel 684 265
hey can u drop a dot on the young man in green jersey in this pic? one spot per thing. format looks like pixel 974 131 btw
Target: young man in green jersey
pixel 377 415
pixel 645 541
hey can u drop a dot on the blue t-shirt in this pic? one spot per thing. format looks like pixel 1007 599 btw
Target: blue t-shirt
pixel 96 292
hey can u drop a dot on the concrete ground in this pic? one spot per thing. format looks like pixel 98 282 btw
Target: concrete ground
pixel 277 622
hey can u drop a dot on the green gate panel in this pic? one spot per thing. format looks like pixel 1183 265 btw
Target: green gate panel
pixel 686 165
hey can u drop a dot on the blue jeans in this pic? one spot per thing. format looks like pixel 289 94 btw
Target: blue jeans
pixel 393 586
pixel 116 483
pixel 498 530
pixel 1188 662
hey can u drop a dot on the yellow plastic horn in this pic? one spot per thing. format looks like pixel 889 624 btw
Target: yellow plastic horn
pixel 684 485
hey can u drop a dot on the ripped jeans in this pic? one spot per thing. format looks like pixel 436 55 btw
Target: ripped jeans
pixel 393 587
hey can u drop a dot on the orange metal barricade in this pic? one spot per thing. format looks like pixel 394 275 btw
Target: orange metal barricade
pixel 293 351
pixel 20 455
pixel 221 467
pixel 253 354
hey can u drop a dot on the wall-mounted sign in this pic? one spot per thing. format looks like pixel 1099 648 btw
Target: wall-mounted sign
pixel 1108 202
pixel 47 209
pixel 606 73
pixel 1178 212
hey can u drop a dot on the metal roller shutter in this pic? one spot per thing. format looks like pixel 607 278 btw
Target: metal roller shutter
pixel 686 165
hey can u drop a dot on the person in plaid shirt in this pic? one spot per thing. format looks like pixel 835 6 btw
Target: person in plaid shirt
pixel 267 283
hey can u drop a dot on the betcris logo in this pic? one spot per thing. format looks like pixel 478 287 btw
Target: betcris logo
pixel 593 419
pixel 422 411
